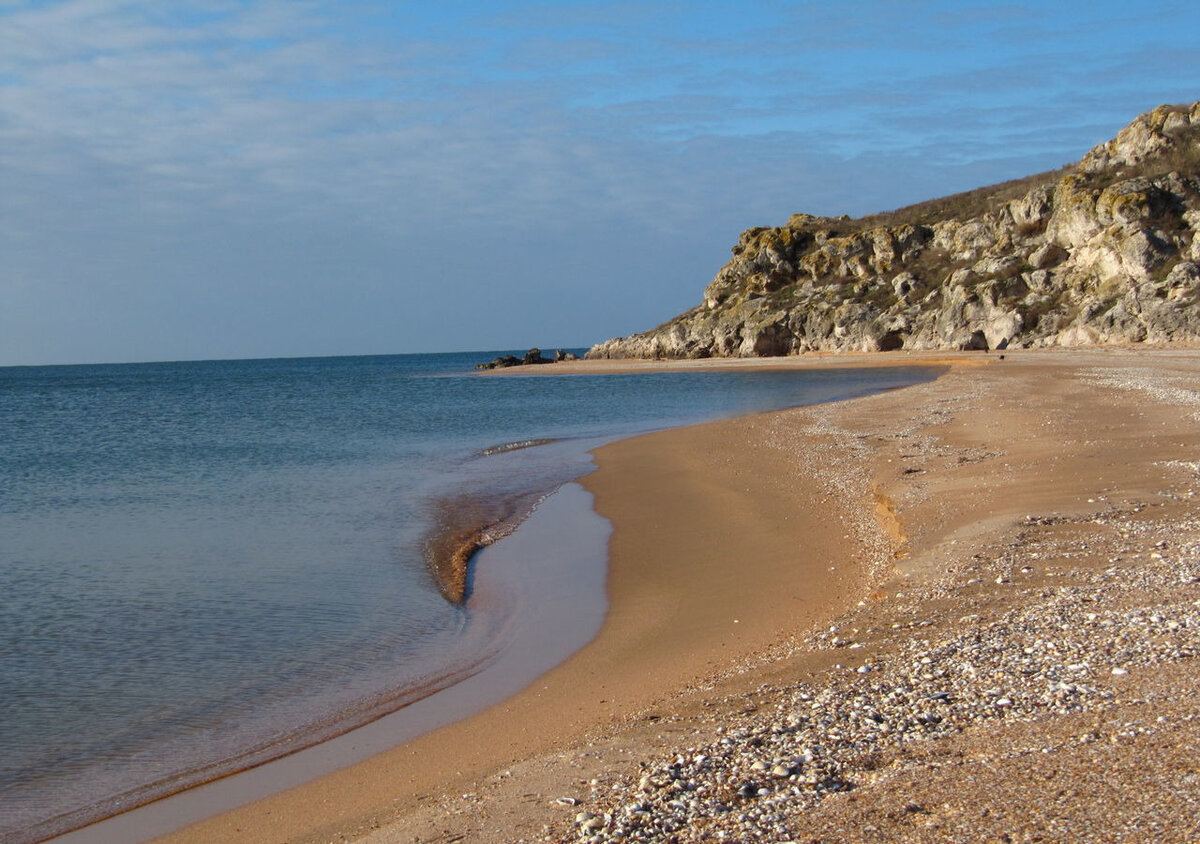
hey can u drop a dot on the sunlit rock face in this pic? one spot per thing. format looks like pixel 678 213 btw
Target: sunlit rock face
pixel 1104 251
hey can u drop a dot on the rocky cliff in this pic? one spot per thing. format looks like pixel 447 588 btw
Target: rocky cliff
pixel 1104 251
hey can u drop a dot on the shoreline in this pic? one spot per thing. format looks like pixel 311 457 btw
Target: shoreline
pixel 519 769
pixel 465 525
pixel 537 599
pixel 504 732
pixel 1027 673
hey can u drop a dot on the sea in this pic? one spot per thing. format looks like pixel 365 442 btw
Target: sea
pixel 208 565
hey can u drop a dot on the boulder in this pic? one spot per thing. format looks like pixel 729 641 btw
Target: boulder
pixel 532 357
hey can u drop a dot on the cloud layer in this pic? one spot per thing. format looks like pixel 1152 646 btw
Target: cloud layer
pixel 259 177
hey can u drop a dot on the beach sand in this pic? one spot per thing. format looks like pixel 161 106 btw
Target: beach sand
pixel 989 546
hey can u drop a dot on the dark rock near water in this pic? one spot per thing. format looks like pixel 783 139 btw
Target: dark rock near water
pixel 531 358
pixel 500 363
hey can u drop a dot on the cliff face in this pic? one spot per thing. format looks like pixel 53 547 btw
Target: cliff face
pixel 1105 251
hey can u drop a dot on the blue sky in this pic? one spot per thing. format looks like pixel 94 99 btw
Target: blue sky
pixel 259 178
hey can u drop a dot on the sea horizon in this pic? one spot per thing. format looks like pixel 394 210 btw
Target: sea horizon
pixel 485 356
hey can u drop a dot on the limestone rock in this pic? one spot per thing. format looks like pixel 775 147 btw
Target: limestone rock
pixel 1105 251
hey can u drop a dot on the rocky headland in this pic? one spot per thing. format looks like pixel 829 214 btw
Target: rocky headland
pixel 1105 251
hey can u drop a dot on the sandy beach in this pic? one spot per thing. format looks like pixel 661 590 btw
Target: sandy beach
pixel 965 610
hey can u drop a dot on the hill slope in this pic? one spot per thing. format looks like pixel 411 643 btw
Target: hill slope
pixel 1105 251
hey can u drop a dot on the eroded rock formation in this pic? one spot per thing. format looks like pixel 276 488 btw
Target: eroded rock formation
pixel 1105 251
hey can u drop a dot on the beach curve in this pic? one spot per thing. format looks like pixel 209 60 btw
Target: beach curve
pixel 657 637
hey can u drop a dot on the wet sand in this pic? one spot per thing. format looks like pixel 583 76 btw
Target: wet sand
pixel 735 543
pixel 656 636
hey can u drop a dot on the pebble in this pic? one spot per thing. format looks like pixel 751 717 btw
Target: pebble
pixel 1044 658
pixel 1052 652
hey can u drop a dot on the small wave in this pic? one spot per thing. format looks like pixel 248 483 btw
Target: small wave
pixel 515 446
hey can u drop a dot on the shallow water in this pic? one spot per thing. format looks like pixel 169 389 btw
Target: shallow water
pixel 203 565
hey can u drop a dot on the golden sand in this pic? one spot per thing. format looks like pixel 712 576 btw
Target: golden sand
pixel 732 542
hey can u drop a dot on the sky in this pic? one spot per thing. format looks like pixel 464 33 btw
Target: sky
pixel 273 178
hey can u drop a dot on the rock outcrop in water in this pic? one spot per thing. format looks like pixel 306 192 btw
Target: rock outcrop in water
pixel 531 358
pixel 1104 251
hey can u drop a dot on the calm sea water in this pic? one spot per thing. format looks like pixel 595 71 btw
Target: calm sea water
pixel 203 565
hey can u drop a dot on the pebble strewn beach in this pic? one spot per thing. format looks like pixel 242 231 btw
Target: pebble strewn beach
pixel 1078 641
pixel 1071 633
